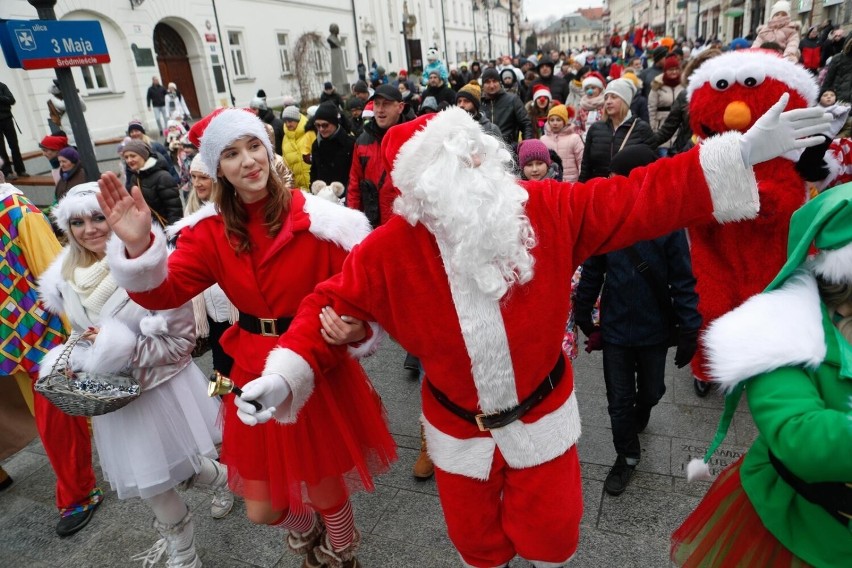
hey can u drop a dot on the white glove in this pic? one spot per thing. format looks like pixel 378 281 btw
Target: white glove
pixel 776 132
pixel 269 390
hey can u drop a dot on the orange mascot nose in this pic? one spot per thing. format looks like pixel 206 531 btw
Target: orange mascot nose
pixel 737 115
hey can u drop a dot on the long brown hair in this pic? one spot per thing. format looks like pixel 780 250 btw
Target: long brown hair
pixel 236 218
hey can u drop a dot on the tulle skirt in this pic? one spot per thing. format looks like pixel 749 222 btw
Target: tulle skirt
pixel 338 443
pixel 153 443
pixel 725 531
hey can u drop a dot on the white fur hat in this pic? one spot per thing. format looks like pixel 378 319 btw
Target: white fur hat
pixel 198 165
pixel 80 200
pixel 227 126
pixel 780 6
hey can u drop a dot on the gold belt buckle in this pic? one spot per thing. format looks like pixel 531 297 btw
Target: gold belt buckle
pixel 482 427
pixel 267 327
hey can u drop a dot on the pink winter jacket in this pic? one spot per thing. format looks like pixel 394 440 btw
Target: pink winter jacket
pixel 782 31
pixel 569 146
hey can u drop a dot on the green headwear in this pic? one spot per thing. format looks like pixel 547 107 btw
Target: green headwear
pixel 822 225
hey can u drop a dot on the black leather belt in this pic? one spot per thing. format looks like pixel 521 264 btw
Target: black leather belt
pixel 268 327
pixel 668 108
pixel 487 422
pixel 833 496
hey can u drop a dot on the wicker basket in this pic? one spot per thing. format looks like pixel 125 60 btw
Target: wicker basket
pixel 81 393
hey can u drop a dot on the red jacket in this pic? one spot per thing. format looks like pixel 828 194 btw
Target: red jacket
pixel 370 189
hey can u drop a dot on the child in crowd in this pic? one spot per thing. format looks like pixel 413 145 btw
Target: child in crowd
pixel 560 137
pixel 538 107
pixel 536 162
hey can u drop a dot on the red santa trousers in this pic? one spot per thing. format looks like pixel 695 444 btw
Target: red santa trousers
pixel 68 446
pixel 533 512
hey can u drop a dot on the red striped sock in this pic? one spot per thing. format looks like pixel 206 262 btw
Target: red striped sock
pixel 297 518
pixel 340 526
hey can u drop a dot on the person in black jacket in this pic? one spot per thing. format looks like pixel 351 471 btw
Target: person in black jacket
pixel 331 153
pixel 7 131
pixel 621 129
pixel 504 109
pixel 149 172
pixel 839 75
pixel 648 299
pixel 557 85
pixel 330 94
pixel 436 87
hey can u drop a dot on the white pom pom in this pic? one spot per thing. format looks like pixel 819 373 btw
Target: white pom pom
pixel 697 470
pixel 153 325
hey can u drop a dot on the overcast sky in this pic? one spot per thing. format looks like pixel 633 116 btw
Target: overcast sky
pixel 537 10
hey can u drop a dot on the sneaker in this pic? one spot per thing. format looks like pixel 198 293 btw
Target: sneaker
pixel 223 502
pixel 24 175
pixel 72 523
pixel 702 388
pixel 10 176
pixel 411 363
pixel 619 476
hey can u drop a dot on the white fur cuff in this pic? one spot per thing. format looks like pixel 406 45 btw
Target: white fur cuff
pixel 733 187
pixel 299 376
pixel 113 348
pixel 369 346
pixel 143 273
pixel 153 325
pixel 835 266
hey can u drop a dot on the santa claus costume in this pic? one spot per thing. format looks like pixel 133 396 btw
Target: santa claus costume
pixel 788 501
pixel 335 438
pixel 483 264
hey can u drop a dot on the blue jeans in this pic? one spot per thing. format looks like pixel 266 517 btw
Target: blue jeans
pixel 634 384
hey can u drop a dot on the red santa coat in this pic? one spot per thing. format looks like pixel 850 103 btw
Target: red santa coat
pixel 487 355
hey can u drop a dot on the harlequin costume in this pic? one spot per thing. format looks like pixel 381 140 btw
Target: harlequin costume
pixel 512 486
pixel 788 501
pixel 342 428
pixel 27 333
pixel 732 262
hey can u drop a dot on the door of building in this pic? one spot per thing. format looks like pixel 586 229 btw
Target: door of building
pixel 174 65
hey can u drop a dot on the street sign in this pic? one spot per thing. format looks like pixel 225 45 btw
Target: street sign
pixel 47 44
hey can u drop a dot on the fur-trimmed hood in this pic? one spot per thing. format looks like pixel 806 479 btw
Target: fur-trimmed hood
pixel 774 329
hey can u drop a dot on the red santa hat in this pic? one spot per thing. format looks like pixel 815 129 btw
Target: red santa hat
pixel 368 110
pixel 594 79
pixel 542 91
pixel 757 64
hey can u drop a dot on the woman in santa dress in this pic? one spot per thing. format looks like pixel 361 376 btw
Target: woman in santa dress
pixel 267 246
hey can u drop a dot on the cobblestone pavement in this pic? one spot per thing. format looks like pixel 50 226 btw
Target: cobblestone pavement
pixel 401 522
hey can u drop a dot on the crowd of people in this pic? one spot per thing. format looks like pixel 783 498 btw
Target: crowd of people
pixel 520 200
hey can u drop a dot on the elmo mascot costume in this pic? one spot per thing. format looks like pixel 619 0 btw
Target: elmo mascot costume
pixel 735 261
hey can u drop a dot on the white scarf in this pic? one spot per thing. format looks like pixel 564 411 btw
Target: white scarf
pixel 94 284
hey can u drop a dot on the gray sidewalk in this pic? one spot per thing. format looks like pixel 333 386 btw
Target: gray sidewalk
pixel 402 523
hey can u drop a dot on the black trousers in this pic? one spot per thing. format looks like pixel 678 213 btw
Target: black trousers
pixel 10 134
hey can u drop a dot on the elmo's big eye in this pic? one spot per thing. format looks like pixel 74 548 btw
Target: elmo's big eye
pixel 751 76
pixel 722 79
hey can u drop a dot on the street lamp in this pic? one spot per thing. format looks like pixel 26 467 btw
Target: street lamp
pixel 488 26
pixel 474 9
pixel 512 29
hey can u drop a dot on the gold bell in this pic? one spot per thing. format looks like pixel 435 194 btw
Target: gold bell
pixel 219 386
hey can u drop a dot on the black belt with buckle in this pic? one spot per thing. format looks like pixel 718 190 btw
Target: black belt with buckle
pixel 269 327
pixel 487 422
pixel 833 496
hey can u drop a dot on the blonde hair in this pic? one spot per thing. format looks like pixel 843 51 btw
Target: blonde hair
pixel 76 257
pixel 194 203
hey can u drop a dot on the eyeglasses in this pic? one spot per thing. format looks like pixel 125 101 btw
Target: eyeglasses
pixel 322 125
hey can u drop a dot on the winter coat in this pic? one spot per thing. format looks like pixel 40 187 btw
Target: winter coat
pixel 7 99
pixel 333 97
pixel 158 150
pixel 156 96
pixel 538 117
pixel 176 103
pixel 370 189
pixel 660 103
pixel 297 144
pixel 558 87
pixel 811 52
pixel 331 158
pixel 442 94
pixel 507 112
pixel 639 107
pixel 569 147
pixel 602 143
pixel 647 77
pixel 157 346
pixel 488 126
pixel 839 77
pixel 677 122
pixel 783 31
pixel 631 315
pixel 159 189
pixel 76 176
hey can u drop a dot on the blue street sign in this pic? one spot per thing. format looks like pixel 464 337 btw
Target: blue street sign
pixel 46 44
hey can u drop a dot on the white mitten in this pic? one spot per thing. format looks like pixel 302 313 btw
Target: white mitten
pixel 776 132
pixel 269 390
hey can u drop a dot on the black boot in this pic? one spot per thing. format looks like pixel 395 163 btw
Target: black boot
pixel 702 388
pixel 619 476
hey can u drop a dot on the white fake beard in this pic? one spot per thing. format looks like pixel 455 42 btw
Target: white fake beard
pixel 477 212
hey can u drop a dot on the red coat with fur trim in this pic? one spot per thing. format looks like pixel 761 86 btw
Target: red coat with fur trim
pixel 396 277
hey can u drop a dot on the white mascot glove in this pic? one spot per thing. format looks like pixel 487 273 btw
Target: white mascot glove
pixel 269 390
pixel 776 132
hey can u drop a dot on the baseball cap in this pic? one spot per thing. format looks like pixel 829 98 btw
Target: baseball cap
pixel 387 92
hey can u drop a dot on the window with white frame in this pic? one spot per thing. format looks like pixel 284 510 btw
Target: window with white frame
pixel 319 57
pixel 345 49
pixel 95 79
pixel 238 62
pixel 284 53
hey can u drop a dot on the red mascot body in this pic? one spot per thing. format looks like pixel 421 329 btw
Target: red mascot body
pixel 735 261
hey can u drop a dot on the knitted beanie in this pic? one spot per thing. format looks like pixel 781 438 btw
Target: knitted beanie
pixel 561 111
pixel 55 143
pixel 671 62
pixel 70 154
pixel 593 79
pixel 623 89
pixel 542 91
pixel 328 112
pixel 198 165
pixel 490 73
pixel 630 75
pixel 780 6
pixel 135 124
pixel 291 113
pixel 353 103
pixel 137 147
pixel 471 92
pixel 228 125
pixel 80 200
pixel 532 149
